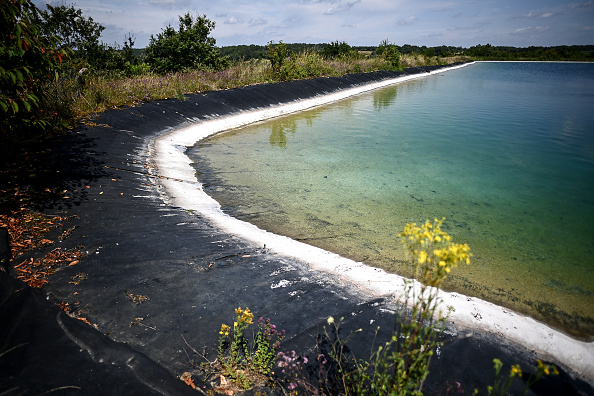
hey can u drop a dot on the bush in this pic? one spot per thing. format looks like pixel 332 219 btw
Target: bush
pixel 389 52
pixel 337 49
pixel 28 61
pixel 189 48
pixel 277 55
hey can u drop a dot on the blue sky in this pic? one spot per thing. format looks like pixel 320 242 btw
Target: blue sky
pixel 465 23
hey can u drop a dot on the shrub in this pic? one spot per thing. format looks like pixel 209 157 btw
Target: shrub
pixel 277 55
pixel 28 61
pixel 389 52
pixel 337 49
pixel 188 48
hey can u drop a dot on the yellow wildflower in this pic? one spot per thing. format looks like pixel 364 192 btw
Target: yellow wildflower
pixel 224 330
pixel 516 370
pixel 422 256
pixel 246 317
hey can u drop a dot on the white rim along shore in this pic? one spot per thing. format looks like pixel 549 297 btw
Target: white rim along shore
pixel 183 190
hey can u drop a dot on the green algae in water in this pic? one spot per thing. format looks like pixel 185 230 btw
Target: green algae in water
pixel 504 151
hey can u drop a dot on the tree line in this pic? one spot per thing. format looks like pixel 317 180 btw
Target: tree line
pixel 47 55
pixel 483 52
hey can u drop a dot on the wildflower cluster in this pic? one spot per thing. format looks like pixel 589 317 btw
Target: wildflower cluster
pixel 400 366
pixel 224 330
pixel 502 384
pixel 266 342
pixel 547 369
pixel 244 318
pixel 433 254
pixel 289 360
pixel 290 363
pixel 241 361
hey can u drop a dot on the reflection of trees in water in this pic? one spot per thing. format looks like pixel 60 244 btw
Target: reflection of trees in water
pixel 278 135
pixel 280 127
pixel 384 97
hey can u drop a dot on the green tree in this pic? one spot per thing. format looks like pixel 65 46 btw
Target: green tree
pixel 277 55
pixel 337 49
pixel 390 53
pixel 82 35
pixel 189 48
pixel 74 31
pixel 28 60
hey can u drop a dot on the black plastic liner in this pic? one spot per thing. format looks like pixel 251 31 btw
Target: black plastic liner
pixel 157 282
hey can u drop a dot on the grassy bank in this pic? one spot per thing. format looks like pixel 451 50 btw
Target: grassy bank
pixel 103 91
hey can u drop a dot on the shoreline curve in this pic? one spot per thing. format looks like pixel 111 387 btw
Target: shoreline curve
pixel 183 190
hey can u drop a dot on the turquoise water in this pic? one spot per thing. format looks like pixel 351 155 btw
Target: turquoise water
pixel 504 151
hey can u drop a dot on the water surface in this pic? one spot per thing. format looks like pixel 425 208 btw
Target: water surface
pixel 504 151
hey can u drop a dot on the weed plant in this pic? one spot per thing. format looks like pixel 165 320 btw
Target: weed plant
pixel 401 365
pixel 243 362
pixel 503 384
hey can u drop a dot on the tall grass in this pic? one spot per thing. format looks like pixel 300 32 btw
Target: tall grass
pixel 101 92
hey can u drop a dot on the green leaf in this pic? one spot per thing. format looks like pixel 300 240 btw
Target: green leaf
pixel 4 105
pixel 19 75
pixel 15 106
pixel 33 98
pixel 18 32
pixel 27 105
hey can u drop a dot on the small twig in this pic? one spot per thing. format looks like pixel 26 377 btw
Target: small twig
pixel 196 352
pixel 60 388
pixel 189 346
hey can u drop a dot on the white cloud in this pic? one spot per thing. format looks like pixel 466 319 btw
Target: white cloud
pixel 171 4
pixel 540 14
pixel 340 7
pixel 530 30
pixel 257 22
pixel 407 21
pixel 232 20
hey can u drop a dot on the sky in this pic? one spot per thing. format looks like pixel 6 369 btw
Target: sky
pixel 460 23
